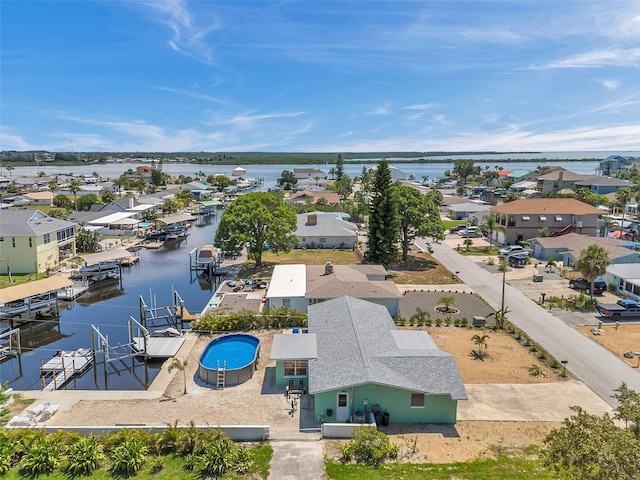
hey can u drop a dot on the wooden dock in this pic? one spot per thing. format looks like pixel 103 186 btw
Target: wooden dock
pixel 157 347
pixel 63 367
pixel 153 245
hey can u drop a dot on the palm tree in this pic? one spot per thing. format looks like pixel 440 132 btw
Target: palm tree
pixel 10 168
pixel 332 172
pixel 592 262
pixel 448 303
pixel 481 342
pixel 53 184
pixel 74 186
pixel 622 198
pixel 491 225
pixel 181 365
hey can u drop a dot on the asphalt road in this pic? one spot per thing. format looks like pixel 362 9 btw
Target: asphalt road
pixel 597 367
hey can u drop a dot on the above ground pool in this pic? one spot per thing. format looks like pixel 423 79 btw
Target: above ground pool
pixel 229 360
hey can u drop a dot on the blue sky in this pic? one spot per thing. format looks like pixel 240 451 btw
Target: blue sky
pixel 308 76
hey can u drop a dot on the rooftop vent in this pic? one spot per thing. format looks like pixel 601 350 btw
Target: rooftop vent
pixel 328 268
pixel 312 219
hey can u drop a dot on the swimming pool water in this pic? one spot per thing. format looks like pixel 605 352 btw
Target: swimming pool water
pixel 237 350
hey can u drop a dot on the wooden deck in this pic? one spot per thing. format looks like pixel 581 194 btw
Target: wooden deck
pixel 158 347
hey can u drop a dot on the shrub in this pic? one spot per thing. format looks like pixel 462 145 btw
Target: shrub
pixel 369 446
pixel 438 322
pixel 156 465
pixel 83 457
pixel 428 322
pixel 241 460
pixel 43 456
pixel 464 322
pixel 128 457
pixel 216 459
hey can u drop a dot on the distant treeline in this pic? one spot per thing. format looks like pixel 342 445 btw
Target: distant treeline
pixel 251 158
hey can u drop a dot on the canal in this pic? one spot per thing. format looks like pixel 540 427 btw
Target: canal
pixel 109 306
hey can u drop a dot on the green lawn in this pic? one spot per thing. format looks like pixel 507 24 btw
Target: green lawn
pixel 504 468
pixel 20 279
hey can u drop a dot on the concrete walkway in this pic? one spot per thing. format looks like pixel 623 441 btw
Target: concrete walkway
pixel 297 461
pixel 601 370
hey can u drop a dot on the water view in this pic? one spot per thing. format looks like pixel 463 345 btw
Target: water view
pixel 109 306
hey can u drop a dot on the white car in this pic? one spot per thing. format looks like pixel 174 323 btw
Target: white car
pixel 510 250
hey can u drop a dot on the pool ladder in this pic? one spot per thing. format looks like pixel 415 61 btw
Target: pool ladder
pixel 221 375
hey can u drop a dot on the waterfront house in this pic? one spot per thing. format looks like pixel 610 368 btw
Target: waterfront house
pixel 32 242
pixel 302 173
pixel 326 230
pixel 298 286
pixel 362 364
pixel 462 211
pixel 43 199
pixel 614 164
pixel 522 219
pixel 312 197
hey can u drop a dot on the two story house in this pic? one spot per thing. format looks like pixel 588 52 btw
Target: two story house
pixel 31 241
pixel 522 219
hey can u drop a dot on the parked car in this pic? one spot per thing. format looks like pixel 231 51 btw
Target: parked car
pixel 518 260
pixel 238 288
pixel 231 284
pixel 580 283
pixel 457 228
pixel 469 232
pixel 623 308
pixel 510 250
pixel 249 281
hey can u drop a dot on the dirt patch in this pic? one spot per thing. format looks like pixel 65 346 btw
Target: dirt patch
pixel 468 304
pixel 421 269
pixel 506 360
pixel 465 441
pixel 625 338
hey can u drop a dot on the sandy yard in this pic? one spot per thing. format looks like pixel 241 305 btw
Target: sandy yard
pixel 625 338
pixel 259 402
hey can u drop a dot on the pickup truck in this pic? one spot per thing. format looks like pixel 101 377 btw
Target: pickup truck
pixel 620 309
pixel 581 283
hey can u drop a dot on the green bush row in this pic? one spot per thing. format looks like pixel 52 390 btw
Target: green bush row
pixel 281 317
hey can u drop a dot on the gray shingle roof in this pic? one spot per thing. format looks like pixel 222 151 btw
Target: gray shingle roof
pixel 328 225
pixel 29 223
pixel 358 344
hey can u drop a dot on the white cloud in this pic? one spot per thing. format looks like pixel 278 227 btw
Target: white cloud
pixel 384 109
pixel 596 58
pixel 610 84
pixel 422 106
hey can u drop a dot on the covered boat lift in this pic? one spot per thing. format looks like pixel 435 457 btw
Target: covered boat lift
pixel 31 298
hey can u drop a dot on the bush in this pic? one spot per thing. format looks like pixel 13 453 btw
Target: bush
pixel 438 322
pixel 83 457
pixel 369 446
pixel 128 457
pixel 43 456
pixel 156 465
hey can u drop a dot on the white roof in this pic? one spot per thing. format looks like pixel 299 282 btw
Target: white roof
pixel 628 271
pixel 288 281
pixel 112 218
pixel 140 208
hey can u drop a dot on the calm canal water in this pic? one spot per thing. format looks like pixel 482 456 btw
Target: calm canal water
pixel 154 277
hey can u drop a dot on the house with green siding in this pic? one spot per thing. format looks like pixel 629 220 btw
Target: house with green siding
pixel 363 364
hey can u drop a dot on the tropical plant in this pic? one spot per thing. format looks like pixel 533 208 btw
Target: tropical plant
pixel 622 198
pixel 448 304
pixel 216 459
pixel 180 365
pixel 43 456
pixel 74 186
pixel 592 262
pixel 481 342
pixel 128 457
pixel 491 225
pixel 83 457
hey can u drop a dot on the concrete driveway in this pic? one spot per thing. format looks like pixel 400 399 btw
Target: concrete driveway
pixel 534 402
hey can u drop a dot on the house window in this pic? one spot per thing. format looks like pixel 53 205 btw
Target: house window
pixel 526 218
pixel 295 368
pixel 286 302
pixel 417 400
pixel 543 218
pixel 47 238
pixel 322 240
pixel 1 239
pixel 558 218
pixel 342 400
pixel 303 239
pixel 13 242
pixel 30 242
pixel 512 221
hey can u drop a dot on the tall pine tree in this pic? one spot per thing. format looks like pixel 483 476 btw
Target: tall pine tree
pixel 384 220
pixel 339 168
